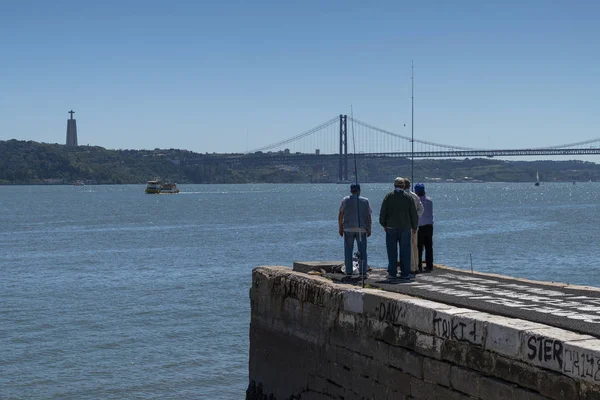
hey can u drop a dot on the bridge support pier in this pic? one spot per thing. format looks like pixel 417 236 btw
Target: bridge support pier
pixel 343 166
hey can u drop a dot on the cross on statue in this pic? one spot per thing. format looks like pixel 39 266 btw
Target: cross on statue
pixel 71 112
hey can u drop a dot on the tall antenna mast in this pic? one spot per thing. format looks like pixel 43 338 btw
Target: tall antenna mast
pixel 412 123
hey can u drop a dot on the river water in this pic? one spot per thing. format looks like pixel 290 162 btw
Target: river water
pixel 107 293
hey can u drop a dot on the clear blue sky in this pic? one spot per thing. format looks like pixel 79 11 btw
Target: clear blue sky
pixel 196 75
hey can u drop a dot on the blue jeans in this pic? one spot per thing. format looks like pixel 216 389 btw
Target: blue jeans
pixel 349 238
pixel 393 238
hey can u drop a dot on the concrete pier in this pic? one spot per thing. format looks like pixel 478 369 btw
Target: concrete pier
pixel 572 307
pixel 448 335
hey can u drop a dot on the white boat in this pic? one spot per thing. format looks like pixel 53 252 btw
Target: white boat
pixel 159 187
pixel 168 188
pixel 153 187
pixel 537 178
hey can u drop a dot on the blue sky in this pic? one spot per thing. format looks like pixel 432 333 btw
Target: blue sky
pixel 205 76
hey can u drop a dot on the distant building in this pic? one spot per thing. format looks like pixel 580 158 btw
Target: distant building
pixel 72 131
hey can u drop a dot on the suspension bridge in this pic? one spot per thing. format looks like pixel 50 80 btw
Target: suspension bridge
pixel 331 140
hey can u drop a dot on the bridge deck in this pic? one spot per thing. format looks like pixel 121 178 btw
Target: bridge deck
pixel 284 157
pixel 575 308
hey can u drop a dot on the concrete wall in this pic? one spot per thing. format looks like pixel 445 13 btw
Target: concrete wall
pixel 313 339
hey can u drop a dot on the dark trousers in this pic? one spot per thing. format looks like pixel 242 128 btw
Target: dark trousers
pixel 395 237
pixel 349 239
pixel 425 241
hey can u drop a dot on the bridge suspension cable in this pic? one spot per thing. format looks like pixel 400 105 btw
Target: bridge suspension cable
pixel 564 146
pixel 297 137
pixel 445 146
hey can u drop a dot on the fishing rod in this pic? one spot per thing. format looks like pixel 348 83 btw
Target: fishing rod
pixel 358 253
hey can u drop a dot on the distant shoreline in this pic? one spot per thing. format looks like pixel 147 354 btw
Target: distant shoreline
pixel 290 183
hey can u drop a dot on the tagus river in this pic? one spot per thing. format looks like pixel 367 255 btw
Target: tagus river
pixel 107 293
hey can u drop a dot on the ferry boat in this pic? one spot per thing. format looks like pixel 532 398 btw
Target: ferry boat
pixel 169 188
pixel 159 187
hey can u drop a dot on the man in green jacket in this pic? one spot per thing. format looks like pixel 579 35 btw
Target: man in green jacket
pixel 398 216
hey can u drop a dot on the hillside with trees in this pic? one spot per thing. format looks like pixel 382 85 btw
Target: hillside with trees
pixel 28 162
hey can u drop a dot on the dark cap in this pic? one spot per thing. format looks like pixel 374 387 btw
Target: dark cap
pixel 419 187
pixel 355 187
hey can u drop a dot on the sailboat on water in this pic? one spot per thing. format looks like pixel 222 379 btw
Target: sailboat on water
pixel 537 178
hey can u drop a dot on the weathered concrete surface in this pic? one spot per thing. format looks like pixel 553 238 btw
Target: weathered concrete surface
pixel 575 308
pixel 313 338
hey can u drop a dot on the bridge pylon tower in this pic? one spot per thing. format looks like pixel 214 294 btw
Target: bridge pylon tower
pixel 343 157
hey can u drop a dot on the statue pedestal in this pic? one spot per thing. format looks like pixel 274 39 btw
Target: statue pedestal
pixel 71 132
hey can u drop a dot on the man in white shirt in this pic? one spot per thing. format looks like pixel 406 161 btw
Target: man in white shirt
pixel 414 255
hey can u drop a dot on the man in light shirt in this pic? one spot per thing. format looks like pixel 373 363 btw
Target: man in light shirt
pixel 352 229
pixel 414 257
pixel 425 228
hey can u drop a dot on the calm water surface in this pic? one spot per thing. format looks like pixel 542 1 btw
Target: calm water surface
pixel 107 293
